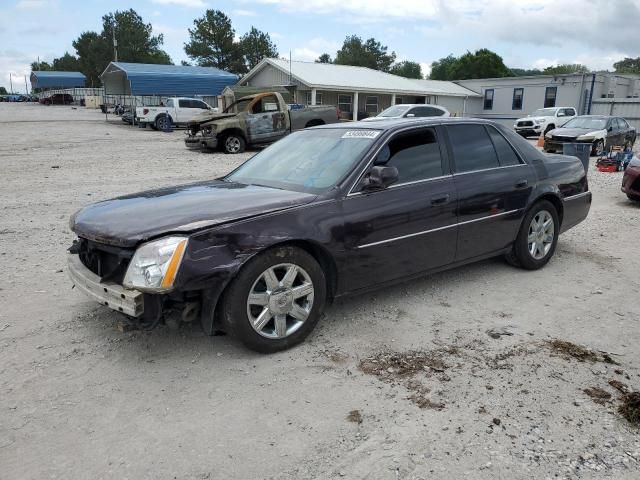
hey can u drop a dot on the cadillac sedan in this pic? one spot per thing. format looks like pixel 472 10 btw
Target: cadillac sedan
pixel 325 212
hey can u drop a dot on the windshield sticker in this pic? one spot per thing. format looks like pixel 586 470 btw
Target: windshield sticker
pixel 361 134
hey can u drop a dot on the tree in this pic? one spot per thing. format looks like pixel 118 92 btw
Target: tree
pixel 211 43
pixel 407 69
pixel 441 69
pixel 136 43
pixel 566 68
pixel 482 63
pixel 371 54
pixel 40 67
pixel 66 63
pixel 523 72
pixel 324 58
pixel 3 91
pixel 628 65
pixel 256 45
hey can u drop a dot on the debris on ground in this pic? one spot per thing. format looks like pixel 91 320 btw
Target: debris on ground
pixel 618 385
pixel 580 353
pixel 598 395
pixel 498 333
pixel 387 364
pixel 355 416
pixel 630 408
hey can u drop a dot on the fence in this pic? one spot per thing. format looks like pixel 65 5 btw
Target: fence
pixel 627 108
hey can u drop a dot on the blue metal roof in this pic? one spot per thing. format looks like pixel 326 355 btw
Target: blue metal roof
pixel 49 79
pixel 178 80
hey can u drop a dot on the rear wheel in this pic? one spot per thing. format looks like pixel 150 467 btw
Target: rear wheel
pixel 276 300
pixel 537 239
pixel 162 122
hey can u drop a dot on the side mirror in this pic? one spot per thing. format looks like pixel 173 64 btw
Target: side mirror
pixel 609 129
pixel 380 177
pixel 411 115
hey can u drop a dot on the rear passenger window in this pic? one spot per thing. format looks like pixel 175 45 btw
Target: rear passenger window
pixel 506 155
pixel 472 148
pixel 427 112
pixel 416 156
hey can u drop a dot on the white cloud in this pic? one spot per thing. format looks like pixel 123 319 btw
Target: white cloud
pixel 312 49
pixel 542 63
pixel 426 68
pixel 31 4
pixel 182 3
pixel 244 13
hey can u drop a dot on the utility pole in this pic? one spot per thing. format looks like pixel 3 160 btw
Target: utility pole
pixel 26 89
pixel 115 45
pixel 11 83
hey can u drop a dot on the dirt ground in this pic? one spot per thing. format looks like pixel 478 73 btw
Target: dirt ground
pixel 451 376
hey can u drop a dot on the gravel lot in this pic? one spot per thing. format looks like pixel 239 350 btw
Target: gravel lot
pixel 80 400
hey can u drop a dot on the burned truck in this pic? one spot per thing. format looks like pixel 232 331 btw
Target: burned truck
pixel 254 120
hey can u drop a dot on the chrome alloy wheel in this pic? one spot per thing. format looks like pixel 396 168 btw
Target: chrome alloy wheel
pixel 541 234
pixel 280 300
pixel 232 144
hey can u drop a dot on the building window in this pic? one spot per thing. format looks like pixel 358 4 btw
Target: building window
pixel 488 99
pixel 550 97
pixel 399 100
pixel 518 94
pixel 345 103
pixel 371 105
pixel 318 98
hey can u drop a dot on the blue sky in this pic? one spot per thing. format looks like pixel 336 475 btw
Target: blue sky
pixel 525 33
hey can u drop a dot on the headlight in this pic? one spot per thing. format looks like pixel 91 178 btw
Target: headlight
pixel 155 264
pixel 209 130
pixel 586 137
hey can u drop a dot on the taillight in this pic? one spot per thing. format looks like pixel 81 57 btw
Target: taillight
pixel 145 111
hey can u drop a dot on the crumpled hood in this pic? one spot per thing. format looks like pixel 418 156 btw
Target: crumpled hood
pixel 209 117
pixel 128 220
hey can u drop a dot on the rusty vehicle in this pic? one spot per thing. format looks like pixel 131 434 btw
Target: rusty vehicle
pixel 631 180
pixel 325 212
pixel 254 120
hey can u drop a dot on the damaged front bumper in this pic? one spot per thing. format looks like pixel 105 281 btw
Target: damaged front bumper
pixel 199 141
pixel 110 294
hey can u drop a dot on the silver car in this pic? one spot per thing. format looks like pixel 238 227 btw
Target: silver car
pixel 410 111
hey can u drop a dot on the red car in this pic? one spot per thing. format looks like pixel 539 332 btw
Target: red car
pixel 631 180
pixel 57 99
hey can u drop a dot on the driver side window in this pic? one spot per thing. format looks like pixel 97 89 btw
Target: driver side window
pixel 416 155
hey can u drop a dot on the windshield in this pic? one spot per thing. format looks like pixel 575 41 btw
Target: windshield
pixel 586 122
pixel 239 106
pixel 544 112
pixel 309 161
pixel 395 111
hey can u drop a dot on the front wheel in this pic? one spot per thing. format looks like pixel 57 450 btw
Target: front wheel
pixel 233 143
pixel 276 300
pixel 537 239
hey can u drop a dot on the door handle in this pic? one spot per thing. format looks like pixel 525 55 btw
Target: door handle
pixel 439 199
pixel 522 184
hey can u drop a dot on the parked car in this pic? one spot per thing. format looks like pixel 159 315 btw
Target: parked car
pixel 631 180
pixel 178 110
pixel 322 213
pixel 410 111
pixel 543 120
pixel 601 131
pixel 254 120
pixel 57 99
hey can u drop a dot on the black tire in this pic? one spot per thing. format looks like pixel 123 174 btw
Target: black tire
pixel 161 122
pixel 548 128
pixel 233 143
pixel 633 198
pixel 235 303
pixel 520 255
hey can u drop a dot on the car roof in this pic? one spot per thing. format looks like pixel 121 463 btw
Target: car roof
pixel 603 117
pixel 397 123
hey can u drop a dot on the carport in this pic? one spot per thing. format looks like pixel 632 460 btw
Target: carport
pixel 49 79
pixel 149 82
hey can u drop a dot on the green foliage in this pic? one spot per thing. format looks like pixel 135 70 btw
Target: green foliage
pixel 256 45
pixel 41 67
pixel 566 68
pixel 407 69
pixel 212 44
pixel 482 63
pixel 66 63
pixel 3 91
pixel 628 65
pixel 136 43
pixel 371 54
pixel 522 72
pixel 324 58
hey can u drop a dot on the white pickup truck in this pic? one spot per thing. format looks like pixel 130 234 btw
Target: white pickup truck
pixel 543 120
pixel 178 110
